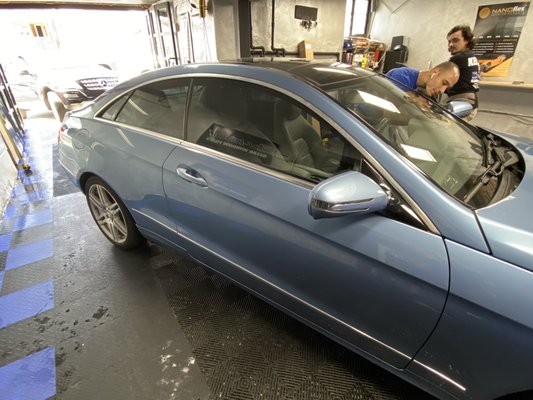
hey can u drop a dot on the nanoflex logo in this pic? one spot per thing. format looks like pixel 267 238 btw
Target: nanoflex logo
pixel 516 10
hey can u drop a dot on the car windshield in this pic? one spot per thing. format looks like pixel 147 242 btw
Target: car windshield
pixel 450 153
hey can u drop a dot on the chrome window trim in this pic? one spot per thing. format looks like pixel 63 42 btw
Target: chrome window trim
pixel 162 136
pixel 418 211
pixel 259 168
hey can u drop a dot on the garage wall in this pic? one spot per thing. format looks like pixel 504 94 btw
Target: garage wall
pixel 327 36
pixel 426 23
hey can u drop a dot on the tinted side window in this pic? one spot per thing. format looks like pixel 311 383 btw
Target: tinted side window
pixel 159 107
pixel 112 110
pixel 259 125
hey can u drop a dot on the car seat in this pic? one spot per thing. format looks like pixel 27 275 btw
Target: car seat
pixel 295 137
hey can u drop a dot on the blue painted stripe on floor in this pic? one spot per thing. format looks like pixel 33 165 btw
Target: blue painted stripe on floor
pixel 30 188
pixel 5 241
pixel 22 173
pixel 31 197
pixel 18 190
pixel 11 212
pixel 26 303
pixel 1 279
pixel 31 179
pixel 31 378
pixel 29 253
pixel 32 220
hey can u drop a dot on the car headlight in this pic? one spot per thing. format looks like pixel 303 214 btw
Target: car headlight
pixel 73 95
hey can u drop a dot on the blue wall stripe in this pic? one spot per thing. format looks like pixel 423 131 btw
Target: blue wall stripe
pixel 32 220
pixel 31 378
pixel 25 303
pixel 5 242
pixel 29 253
pixel 1 279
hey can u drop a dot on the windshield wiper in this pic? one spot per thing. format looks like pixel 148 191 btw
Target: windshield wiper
pixel 503 158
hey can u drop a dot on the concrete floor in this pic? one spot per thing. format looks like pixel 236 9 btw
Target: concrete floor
pixel 80 319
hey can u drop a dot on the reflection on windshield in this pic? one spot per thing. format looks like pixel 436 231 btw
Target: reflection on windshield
pixel 448 152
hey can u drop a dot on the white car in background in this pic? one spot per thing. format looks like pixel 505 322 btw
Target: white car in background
pixel 67 87
pixel 62 83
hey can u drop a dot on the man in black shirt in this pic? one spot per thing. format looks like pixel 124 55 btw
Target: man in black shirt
pixel 460 45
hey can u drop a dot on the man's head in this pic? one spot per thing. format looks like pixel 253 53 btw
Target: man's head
pixel 441 77
pixel 460 38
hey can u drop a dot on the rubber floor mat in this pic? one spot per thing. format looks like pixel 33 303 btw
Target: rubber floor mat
pixel 247 349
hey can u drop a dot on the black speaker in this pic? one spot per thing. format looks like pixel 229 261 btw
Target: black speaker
pixel 394 59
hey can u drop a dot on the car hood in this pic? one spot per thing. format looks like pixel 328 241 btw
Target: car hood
pixel 508 224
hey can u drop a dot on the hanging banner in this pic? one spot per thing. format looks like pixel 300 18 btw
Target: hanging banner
pixel 497 30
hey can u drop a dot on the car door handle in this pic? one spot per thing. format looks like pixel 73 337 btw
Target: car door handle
pixel 191 175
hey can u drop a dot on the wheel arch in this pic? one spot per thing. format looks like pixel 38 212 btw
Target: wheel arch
pixel 84 177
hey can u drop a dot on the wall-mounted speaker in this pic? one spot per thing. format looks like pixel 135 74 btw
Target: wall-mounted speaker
pixel 396 41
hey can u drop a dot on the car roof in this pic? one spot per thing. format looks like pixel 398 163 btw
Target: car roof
pixel 319 73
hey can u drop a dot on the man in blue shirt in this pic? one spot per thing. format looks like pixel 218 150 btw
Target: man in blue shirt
pixel 435 81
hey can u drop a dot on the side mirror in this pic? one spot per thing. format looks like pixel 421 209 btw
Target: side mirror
pixel 460 108
pixel 347 193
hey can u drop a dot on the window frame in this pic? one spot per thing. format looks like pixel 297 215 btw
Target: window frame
pixel 278 95
pixel 179 137
pixel 349 20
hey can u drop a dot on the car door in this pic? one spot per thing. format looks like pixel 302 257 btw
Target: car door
pixel 238 190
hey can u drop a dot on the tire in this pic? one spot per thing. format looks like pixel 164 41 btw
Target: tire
pixel 56 105
pixel 111 215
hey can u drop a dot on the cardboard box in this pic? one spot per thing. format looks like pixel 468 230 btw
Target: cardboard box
pixel 305 50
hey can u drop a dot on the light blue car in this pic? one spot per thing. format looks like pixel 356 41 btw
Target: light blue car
pixel 371 214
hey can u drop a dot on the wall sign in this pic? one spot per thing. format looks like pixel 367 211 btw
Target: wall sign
pixel 497 30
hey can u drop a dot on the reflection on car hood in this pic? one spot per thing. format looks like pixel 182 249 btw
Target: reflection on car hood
pixel 508 224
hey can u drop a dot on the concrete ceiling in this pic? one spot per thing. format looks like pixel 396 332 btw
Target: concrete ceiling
pixel 77 3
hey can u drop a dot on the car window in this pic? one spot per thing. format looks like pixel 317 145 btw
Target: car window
pixel 158 107
pixel 451 154
pixel 111 111
pixel 259 125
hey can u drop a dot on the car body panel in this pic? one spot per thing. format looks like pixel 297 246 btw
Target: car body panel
pixel 352 268
pixel 508 231
pixel 113 155
pixel 487 326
